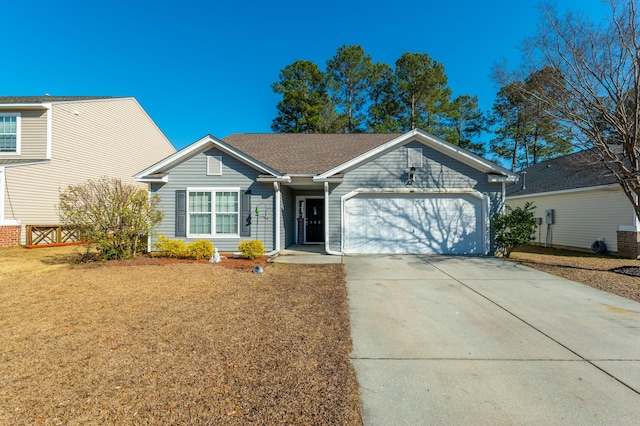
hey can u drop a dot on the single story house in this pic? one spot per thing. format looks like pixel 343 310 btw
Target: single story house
pixel 578 203
pixel 354 193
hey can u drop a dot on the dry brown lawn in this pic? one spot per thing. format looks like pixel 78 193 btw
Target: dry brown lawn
pixel 195 343
pixel 586 268
pixel 186 343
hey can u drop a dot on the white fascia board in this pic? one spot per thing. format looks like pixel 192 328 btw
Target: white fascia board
pixel 495 178
pixel 163 179
pixel 364 157
pixel 438 144
pixel 198 147
pixel 23 106
pixel 609 187
pixel 285 179
pixel 174 158
pixel 328 179
pixel 463 155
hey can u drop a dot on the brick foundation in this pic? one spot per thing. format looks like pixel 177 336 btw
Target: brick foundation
pixel 629 244
pixel 9 235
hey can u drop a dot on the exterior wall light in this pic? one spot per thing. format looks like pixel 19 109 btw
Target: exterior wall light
pixel 412 175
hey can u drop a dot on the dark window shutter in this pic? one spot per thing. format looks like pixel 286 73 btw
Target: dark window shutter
pixel 245 215
pixel 181 213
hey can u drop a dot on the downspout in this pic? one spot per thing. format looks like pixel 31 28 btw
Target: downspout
pixel 149 202
pixel 327 248
pixel 277 213
pixel 486 211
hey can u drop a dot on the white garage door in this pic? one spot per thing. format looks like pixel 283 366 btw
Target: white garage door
pixel 420 224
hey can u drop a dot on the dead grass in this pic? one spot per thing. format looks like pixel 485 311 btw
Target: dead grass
pixel 186 343
pixel 586 268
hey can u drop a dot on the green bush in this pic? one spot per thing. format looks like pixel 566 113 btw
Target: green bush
pixel 514 229
pixel 171 248
pixel 200 249
pixel 251 249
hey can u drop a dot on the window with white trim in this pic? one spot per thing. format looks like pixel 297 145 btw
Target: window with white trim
pixel 10 133
pixel 414 156
pixel 213 212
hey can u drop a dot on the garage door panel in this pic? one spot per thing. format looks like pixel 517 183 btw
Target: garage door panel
pixel 423 224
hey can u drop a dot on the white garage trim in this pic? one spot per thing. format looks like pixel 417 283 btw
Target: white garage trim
pixel 483 227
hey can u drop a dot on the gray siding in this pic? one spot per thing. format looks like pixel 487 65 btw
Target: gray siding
pixel 390 171
pixel 235 173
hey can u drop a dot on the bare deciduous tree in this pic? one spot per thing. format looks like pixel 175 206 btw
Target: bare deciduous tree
pixel 598 74
pixel 109 214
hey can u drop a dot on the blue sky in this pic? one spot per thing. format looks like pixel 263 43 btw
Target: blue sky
pixel 206 67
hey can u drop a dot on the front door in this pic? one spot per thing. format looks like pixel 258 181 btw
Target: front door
pixel 314 218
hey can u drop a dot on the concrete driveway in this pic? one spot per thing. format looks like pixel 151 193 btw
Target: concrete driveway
pixel 474 340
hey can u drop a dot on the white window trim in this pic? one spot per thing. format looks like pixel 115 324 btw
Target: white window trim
pixel 213 212
pixel 418 154
pixel 18 131
pixel 219 172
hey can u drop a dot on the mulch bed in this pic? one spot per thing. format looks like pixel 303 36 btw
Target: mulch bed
pixel 632 271
pixel 227 261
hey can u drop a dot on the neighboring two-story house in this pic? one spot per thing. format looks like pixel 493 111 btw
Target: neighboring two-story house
pixel 50 142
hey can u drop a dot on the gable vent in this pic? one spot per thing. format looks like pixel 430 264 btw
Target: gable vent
pixel 214 165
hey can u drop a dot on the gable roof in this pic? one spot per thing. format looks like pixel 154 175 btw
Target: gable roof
pixel 158 171
pixel 431 141
pixel 574 171
pixel 317 155
pixel 306 153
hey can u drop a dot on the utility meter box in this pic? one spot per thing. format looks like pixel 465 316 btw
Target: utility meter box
pixel 548 217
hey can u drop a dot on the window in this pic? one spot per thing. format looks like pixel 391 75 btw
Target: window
pixel 414 156
pixel 200 213
pixel 213 212
pixel 214 165
pixel 10 133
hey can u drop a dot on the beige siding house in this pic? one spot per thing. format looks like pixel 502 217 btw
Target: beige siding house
pixel 578 202
pixel 50 142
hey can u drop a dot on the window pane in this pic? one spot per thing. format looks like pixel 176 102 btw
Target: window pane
pixel 7 143
pixel 200 224
pixel 226 223
pixel 199 202
pixel 226 202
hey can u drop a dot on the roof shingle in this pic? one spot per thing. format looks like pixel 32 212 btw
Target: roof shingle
pixel 305 154
pixel 577 170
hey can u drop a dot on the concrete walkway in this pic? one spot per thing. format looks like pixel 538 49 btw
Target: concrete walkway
pixel 308 253
pixel 474 340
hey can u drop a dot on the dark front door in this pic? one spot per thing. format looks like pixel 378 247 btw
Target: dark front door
pixel 314 221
